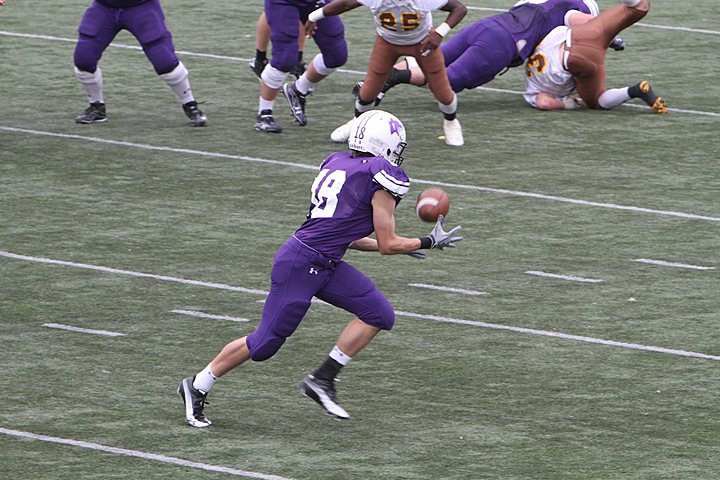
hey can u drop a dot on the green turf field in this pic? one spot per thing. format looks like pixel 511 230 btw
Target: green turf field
pixel 114 226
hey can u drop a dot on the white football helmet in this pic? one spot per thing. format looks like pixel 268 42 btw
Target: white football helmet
pixel 378 133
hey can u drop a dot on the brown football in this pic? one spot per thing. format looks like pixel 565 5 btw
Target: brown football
pixel 431 203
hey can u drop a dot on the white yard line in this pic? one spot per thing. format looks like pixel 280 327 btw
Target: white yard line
pixel 221 286
pixel 193 313
pixel 140 454
pixel 663 263
pixel 70 328
pixel 564 336
pixel 501 191
pixel 447 289
pixel 570 278
pixel 118 271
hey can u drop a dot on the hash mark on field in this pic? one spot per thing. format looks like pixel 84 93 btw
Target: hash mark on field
pixel 530 331
pixel 193 313
pixel 140 454
pixel 447 289
pixel 70 328
pixel 477 188
pixel 663 263
pixel 570 278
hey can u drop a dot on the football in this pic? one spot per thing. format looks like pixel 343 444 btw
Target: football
pixel 431 203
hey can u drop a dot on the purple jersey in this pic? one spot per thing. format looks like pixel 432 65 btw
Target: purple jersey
pixel 121 3
pixel 529 23
pixel 341 210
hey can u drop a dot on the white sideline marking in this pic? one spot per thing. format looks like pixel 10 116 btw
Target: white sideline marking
pixel 406 314
pixel 447 289
pixel 193 313
pixel 140 454
pixel 663 263
pixel 612 206
pixel 70 328
pixel 570 278
pixel 565 336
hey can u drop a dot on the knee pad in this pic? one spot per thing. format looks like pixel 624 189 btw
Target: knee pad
pixel 161 54
pixel 176 75
pixel 265 350
pixel 87 54
pixel 273 77
pixel 449 108
pixel 319 64
pixel 383 319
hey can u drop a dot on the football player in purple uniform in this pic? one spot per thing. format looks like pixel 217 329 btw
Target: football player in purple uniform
pixel 145 19
pixel 480 51
pixel 285 18
pixel 354 194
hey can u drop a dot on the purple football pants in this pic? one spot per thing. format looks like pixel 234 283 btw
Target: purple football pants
pixel 298 274
pixel 477 53
pixel 284 17
pixel 146 22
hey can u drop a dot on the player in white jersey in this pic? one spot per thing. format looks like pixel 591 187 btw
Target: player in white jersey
pixel 548 82
pixel 404 28
pixel 575 57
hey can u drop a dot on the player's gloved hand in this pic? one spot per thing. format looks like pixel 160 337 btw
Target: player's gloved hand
pixel 440 239
pixel 617 44
pixel 418 254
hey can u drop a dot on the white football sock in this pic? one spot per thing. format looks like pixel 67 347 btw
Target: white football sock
pixel 303 84
pixel 339 356
pixel 265 104
pixel 613 97
pixel 204 380
pixel 92 84
pixel 178 81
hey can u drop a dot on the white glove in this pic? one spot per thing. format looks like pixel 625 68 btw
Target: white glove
pixel 440 239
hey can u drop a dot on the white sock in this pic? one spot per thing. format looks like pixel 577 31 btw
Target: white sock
pixel 303 84
pixel 339 356
pixel 204 380
pixel 92 84
pixel 178 80
pixel 265 104
pixel 613 97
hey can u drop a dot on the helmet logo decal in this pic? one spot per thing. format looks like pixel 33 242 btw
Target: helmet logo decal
pixel 395 126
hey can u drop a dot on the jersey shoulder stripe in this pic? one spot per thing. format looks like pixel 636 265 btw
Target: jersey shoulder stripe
pixel 396 186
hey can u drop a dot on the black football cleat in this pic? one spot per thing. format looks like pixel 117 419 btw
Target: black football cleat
pixel 656 103
pixel 194 401
pixel 197 118
pixel 323 392
pixel 296 100
pixel 266 123
pixel 95 113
